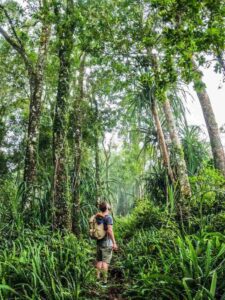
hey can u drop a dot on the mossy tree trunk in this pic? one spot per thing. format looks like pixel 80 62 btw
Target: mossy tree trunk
pixel 36 76
pixel 78 147
pixel 61 202
pixel 36 91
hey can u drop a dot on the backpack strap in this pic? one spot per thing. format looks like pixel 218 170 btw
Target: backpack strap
pixel 105 222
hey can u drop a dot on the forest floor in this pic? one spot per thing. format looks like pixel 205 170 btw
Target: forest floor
pixel 112 291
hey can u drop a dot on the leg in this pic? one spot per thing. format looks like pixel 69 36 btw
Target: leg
pixel 106 258
pixel 99 262
pixel 98 268
pixel 105 267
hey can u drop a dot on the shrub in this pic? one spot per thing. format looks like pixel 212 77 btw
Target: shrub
pixel 218 222
pixel 208 189
pixel 146 215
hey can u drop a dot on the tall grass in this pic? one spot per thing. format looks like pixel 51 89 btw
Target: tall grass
pixel 42 265
pixel 162 264
pixel 161 261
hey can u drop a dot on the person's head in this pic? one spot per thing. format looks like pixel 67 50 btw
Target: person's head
pixel 104 206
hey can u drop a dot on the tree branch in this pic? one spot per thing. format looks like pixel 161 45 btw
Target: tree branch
pixel 11 25
pixel 17 45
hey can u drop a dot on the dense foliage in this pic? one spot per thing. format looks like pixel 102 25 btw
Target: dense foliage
pixel 94 106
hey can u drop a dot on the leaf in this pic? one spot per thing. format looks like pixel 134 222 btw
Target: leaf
pixel 187 289
pixel 213 284
pixel 8 288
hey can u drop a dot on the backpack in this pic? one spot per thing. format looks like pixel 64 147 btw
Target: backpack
pixel 97 227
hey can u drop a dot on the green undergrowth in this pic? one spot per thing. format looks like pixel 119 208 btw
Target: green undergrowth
pixel 44 265
pixel 146 215
pixel 207 205
pixel 157 257
pixel 159 261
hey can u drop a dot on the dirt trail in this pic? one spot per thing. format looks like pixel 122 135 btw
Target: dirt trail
pixel 114 288
pixel 112 292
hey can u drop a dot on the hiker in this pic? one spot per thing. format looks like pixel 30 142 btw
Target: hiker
pixel 107 244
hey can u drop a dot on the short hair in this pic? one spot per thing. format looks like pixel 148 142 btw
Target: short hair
pixel 103 206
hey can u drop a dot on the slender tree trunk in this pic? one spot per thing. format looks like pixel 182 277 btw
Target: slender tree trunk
pixel 185 188
pixel 76 181
pixel 161 140
pixel 97 172
pixel 212 127
pixel 97 160
pixel 107 154
pixel 61 203
pixel 78 149
pixel 154 110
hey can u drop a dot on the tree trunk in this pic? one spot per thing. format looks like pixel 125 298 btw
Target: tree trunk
pixel 76 181
pixel 61 203
pixel 97 160
pixel 107 154
pixel 185 188
pixel 212 127
pixel 97 172
pixel 154 110
pixel 161 140
pixel 35 74
pixel 36 89
pixel 78 149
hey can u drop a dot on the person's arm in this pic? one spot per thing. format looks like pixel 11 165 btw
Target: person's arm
pixel 111 235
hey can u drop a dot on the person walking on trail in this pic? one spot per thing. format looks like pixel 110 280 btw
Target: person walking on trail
pixel 105 244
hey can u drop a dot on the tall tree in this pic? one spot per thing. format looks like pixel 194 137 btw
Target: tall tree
pixel 78 147
pixel 182 173
pixel 97 158
pixel 193 30
pixel 65 25
pixel 181 167
pixel 210 120
pixel 35 72
pixel 161 140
